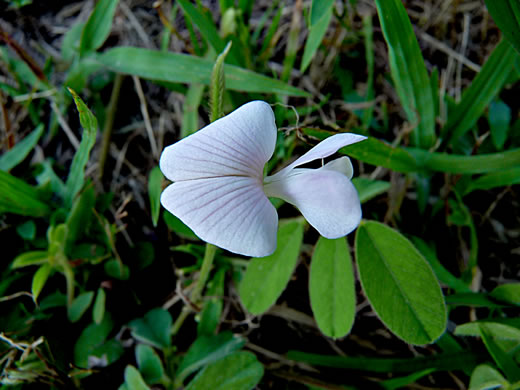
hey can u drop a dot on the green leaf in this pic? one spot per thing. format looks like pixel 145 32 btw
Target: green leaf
pixel 331 287
pixel 441 362
pixel 400 284
pixel 79 217
pixel 98 311
pixel 17 154
pixel 319 9
pixel 134 380
pixel 499 119
pixel 149 363
pixel 316 32
pixel 79 306
pixel 402 382
pixel 71 41
pixel 18 197
pixel 156 65
pixel 77 170
pixel 208 30
pixel 212 309
pixel 91 340
pixel 266 277
pixel 30 258
pixel 154 192
pixel 206 350
pixel 500 178
pixel 482 90
pixel 27 230
pixel 500 328
pixel 509 293
pixel 368 188
pixel 502 359
pixel 117 270
pixel 485 377
pixel 238 371
pixel 177 226
pixel 190 113
pixel 442 273
pixel 154 328
pixel 408 71
pixel 39 279
pixel 483 163
pixel 506 14
pixel 98 26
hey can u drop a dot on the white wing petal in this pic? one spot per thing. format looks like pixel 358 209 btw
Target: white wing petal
pixel 324 149
pixel 230 212
pixel 238 144
pixel 326 198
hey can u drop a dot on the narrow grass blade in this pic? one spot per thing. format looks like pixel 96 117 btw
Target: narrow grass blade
pixel 506 14
pixel 157 65
pixel 18 197
pixel 321 14
pixel 208 30
pixel 500 178
pixel 76 176
pixel 17 154
pixel 501 357
pixel 441 362
pixel 154 192
pixel 479 94
pixel 408 71
pixel 98 26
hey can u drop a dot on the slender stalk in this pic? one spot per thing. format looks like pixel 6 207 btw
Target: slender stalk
pixel 109 121
pixel 207 263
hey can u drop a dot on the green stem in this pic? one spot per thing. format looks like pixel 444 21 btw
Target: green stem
pixel 109 121
pixel 207 263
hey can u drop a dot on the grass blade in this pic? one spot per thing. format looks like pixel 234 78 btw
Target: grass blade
pixel 156 65
pixel 18 197
pixel 479 94
pixel 98 26
pixel 506 14
pixel 317 30
pixel 76 176
pixel 408 71
pixel 17 154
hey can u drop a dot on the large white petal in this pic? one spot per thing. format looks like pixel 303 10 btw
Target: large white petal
pixel 324 149
pixel 326 198
pixel 230 212
pixel 238 144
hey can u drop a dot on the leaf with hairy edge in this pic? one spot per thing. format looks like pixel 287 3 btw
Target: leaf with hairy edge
pixel 76 176
pixel 331 287
pixel 408 71
pixel 400 284
pixel 157 65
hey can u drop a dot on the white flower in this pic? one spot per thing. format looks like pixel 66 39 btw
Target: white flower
pixel 219 190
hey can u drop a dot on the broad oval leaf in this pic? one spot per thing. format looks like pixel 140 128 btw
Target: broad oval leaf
pixel 238 371
pixel 266 277
pixel 331 287
pixel 134 380
pixel 486 377
pixel 400 284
